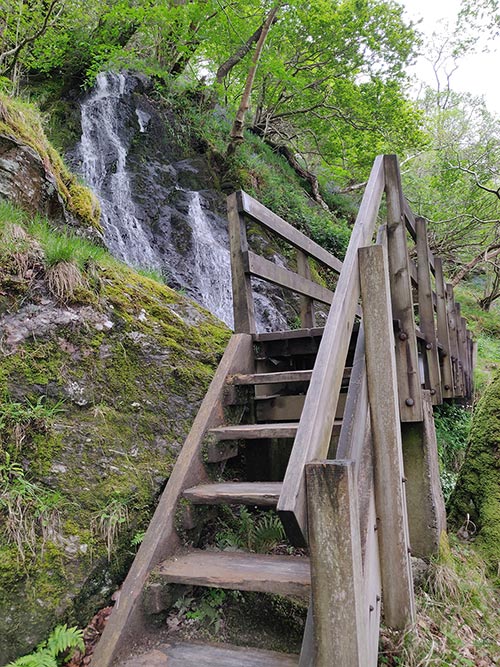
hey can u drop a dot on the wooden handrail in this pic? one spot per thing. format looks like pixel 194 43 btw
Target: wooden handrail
pixel 315 428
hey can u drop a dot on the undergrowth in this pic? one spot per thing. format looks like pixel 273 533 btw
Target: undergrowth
pixel 55 651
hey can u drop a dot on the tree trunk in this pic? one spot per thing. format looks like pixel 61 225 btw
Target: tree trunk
pixel 233 60
pixel 239 121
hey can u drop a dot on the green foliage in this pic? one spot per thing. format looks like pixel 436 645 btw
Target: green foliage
pixel 259 532
pixel 61 246
pixel 55 650
pixel 109 520
pixel 452 431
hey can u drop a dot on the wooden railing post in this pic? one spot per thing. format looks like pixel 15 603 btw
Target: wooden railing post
pixel 243 305
pixel 443 331
pixel 390 501
pixel 426 312
pixel 336 566
pixel 306 303
pixel 452 323
pixel 410 393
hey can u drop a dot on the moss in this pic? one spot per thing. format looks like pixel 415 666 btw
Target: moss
pixel 477 492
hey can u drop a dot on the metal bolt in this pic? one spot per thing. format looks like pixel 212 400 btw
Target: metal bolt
pixel 410 402
pixel 372 608
pixel 447 386
pixel 409 551
pixel 404 480
pixel 433 391
pixel 378 598
pixel 403 336
pixel 428 346
pixel 375 527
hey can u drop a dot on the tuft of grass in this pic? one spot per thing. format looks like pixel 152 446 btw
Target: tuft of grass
pixel 64 280
pixel 64 246
pixel 108 521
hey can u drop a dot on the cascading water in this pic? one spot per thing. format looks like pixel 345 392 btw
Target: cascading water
pixel 152 215
pixel 103 152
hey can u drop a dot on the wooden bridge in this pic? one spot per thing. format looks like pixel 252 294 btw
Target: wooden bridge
pixel 337 430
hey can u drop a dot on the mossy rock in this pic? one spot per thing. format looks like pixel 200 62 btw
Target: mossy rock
pixel 477 492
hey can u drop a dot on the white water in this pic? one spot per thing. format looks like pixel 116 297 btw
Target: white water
pixel 103 156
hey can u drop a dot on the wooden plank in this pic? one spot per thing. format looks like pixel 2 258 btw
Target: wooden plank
pixel 217 451
pixel 243 304
pixel 271 378
pixel 465 353
pixel 234 493
pixel 263 268
pixel 393 535
pixel 307 649
pixel 161 539
pixel 240 571
pixel 317 332
pixel 268 219
pixel 452 327
pixel 426 313
pixel 443 331
pixel 316 425
pixel 195 654
pixel 281 408
pixel 410 223
pixel 336 566
pixel 255 431
pixel 410 399
pixel 306 303
pixel 461 351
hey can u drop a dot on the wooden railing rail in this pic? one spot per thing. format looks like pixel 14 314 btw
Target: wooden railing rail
pixel 245 263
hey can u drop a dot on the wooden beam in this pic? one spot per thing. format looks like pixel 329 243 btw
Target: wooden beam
pixel 443 331
pixel 410 393
pixel 336 566
pixel 452 327
pixel 426 313
pixel 316 424
pixel 127 619
pixel 243 305
pixel 263 268
pixel 283 229
pixel 393 534
pixel 306 303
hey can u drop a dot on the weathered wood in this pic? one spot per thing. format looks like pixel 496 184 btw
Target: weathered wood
pixel 307 649
pixel 268 219
pixel 286 408
pixel 426 313
pixel 411 227
pixel 207 655
pixel 270 378
pixel 465 354
pixel 426 511
pixel 255 431
pixel 243 304
pixel 317 332
pixel 306 303
pixel 452 327
pixel 263 268
pixel 220 451
pixel 410 399
pixel 315 429
pixel 336 566
pixel 460 346
pixel 234 493
pixel 127 619
pixel 390 499
pixel 237 570
pixel 443 331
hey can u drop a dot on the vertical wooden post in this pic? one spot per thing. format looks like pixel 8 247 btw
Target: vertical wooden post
pixel 336 566
pixel 452 322
pixel 461 355
pixel 408 375
pixel 443 331
pixel 306 303
pixel 243 305
pixel 426 311
pixel 397 583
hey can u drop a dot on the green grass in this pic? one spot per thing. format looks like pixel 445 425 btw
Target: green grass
pixel 65 247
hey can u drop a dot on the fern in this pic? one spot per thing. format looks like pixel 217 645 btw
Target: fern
pixel 59 641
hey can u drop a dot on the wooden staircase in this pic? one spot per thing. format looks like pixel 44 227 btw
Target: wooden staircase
pixel 303 404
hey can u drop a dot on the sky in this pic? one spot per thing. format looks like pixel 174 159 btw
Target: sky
pixel 477 73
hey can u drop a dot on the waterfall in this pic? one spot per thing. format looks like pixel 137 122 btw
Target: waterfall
pixel 156 210
pixel 103 151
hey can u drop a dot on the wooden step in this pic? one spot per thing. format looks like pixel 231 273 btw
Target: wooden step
pixel 271 378
pixel 255 431
pixel 265 494
pixel 238 570
pixel 183 654
pixel 288 334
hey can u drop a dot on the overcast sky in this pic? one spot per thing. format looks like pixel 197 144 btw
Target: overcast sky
pixel 477 73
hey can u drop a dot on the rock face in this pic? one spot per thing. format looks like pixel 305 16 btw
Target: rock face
pixel 25 181
pixel 96 397
pixel 160 202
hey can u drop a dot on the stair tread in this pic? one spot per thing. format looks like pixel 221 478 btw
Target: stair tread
pixel 238 570
pixel 271 378
pixel 245 493
pixel 197 654
pixel 256 431
pixel 287 335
